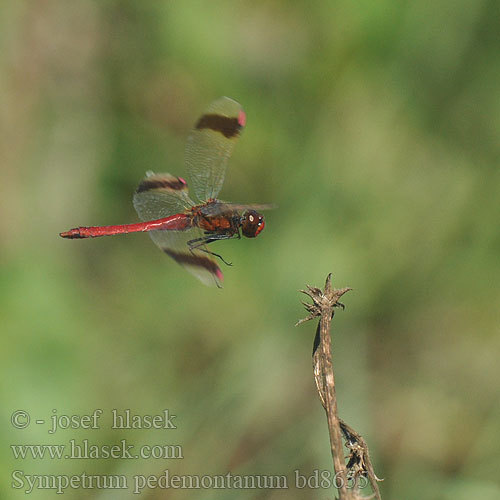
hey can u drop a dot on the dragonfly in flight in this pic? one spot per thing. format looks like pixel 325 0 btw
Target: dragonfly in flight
pixel 178 225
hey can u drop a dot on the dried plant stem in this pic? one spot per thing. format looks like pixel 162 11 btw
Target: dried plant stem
pixel 325 367
pixel 359 457
pixel 323 306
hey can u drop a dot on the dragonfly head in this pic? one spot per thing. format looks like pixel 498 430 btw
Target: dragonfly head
pixel 252 223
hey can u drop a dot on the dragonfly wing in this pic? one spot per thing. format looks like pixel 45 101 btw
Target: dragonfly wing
pixel 198 263
pixel 162 195
pixel 210 145
pixel 250 206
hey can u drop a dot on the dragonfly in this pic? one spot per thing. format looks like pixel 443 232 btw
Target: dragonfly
pixel 181 227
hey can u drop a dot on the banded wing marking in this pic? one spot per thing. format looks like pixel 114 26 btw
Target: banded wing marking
pixel 161 195
pixel 210 145
pixel 200 264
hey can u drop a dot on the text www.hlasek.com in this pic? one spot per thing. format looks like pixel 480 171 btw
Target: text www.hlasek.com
pixel 85 450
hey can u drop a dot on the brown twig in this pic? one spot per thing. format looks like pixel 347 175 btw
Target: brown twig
pixel 359 465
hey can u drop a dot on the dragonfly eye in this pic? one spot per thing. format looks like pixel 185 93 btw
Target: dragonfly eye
pixel 252 223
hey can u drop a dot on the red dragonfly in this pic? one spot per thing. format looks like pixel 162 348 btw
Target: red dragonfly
pixel 178 225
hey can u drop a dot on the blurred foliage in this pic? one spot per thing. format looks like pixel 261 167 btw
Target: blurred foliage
pixel 375 128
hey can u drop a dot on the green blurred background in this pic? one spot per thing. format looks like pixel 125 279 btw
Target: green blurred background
pixel 375 128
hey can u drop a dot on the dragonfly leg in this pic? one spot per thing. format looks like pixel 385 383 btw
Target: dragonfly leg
pixel 214 254
pixel 197 244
